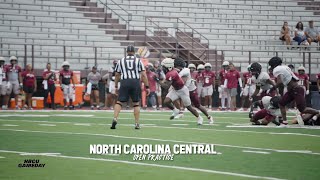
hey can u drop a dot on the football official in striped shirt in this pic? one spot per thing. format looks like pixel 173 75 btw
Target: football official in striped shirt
pixel 129 70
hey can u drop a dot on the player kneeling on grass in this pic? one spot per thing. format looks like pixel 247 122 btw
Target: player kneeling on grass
pixel 179 90
pixel 66 76
pixel 185 74
pixel 295 92
pixel 268 113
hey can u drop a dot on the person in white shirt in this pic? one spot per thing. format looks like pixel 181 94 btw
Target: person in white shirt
pixel 299 34
pixel 295 92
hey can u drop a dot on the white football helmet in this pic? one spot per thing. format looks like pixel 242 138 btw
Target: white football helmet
pixel 207 65
pixel 13 58
pixel 168 63
pixel 301 68
pixel 192 66
pixel 65 63
pixel 2 59
pixel 225 63
pixel 200 66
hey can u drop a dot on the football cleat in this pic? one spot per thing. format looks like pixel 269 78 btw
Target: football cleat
pixel 210 119
pixel 200 120
pixel 113 125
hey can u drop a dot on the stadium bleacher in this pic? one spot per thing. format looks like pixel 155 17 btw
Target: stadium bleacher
pixel 240 31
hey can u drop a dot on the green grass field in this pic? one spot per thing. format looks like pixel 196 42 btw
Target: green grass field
pixel 245 152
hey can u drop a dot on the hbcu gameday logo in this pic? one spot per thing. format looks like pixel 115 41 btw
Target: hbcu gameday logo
pixel 31 163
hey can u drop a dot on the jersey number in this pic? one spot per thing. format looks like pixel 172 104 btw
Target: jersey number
pixel 130 64
pixel 206 80
pixel 301 82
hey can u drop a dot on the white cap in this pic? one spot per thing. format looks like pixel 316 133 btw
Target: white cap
pixel 168 63
pixel 2 58
pixel 225 63
pixel 13 58
pixel 192 66
pixel 207 65
pixel 301 68
pixel 200 66
pixel 65 63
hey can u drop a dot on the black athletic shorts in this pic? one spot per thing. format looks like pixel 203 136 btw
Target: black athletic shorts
pixel 94 87
pixel 28 90
pixel 130 88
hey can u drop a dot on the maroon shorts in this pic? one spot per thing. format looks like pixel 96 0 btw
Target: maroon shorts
pixel 194 98
pixel 296 94
pixel 263 114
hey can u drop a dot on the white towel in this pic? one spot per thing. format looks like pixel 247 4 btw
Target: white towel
pixel 45 84
pixel 89 85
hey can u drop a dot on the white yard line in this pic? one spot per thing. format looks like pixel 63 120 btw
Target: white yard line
pixel 154 165
pixel 47 125
pixel 10 125
pixel 174 127
pixel 38 154
pixel 179 124
pixel 161 140
pixel 256 152
pixel 82 124
pixel 1 157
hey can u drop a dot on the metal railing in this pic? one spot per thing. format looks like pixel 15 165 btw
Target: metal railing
pixel 194 42
pixel 185 40
pixel 128 15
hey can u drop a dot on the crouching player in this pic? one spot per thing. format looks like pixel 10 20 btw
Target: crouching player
pixel 268 113
pixel 179 90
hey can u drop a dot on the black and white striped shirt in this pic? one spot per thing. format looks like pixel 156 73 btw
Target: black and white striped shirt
pixel 129 67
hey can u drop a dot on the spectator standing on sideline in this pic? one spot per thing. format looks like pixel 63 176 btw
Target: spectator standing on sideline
pixel 3 84
pixel 223 95
pixel 312 33
pixel 193 71
pixel 161 76
pixel 93 79
pixel 29 84
pixel 152 78
pixel 14 79
pixel 303 79
pixel 112 85
pixel 128 71
pixel 105 80
pixel 66 77
pixel 285 34
pixel 49 86
pixel 299 34
pixel 248 90
pixel 199 80
pixel 208 85
pixel 231 83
